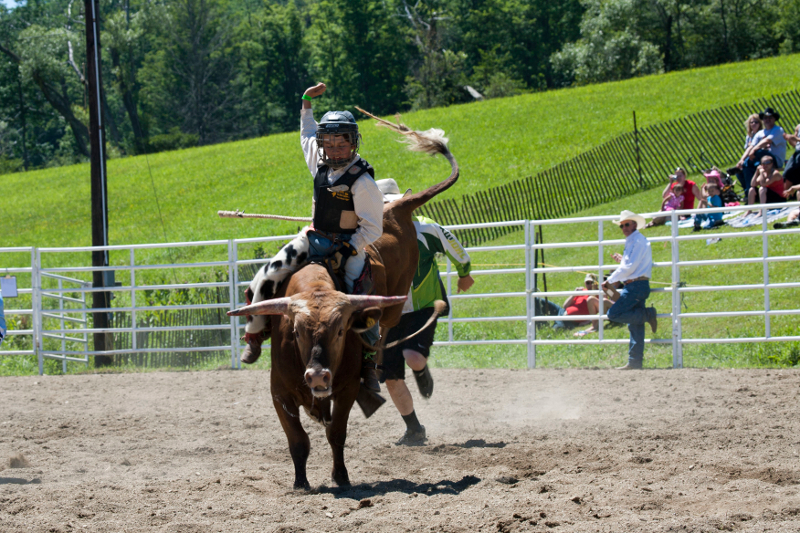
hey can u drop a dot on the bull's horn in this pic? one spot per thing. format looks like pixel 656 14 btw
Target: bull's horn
pixel 276 306
pixel 363 302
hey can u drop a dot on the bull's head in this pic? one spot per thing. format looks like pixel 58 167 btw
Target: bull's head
pixel 320 321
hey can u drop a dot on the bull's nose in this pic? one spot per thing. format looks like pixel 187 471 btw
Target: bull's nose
pixel 318 379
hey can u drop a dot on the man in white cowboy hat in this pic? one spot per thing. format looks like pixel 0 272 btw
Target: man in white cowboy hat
pixel 633 275
pixel 426 288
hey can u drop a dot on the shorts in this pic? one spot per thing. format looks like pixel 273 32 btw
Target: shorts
pixel 394 364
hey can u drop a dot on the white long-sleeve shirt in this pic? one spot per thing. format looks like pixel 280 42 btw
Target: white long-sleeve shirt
pixel 367 198
pixel 637 259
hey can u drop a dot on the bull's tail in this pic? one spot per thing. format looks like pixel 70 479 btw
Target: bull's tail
pixel 430 142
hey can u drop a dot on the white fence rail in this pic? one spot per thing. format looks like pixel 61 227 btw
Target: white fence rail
pixel 56 298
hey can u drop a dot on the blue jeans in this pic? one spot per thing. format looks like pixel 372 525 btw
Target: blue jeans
pixel 548 308
pixel 630 309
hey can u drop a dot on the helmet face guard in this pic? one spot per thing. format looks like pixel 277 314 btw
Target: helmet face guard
pixel 337 124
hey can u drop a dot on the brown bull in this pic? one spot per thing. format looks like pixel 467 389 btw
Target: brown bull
pixel 316 350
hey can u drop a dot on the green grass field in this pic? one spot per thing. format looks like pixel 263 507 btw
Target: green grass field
pixel 495 141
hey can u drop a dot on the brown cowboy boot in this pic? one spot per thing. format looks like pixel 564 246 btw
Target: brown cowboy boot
pixel 369 377
pixel 252 351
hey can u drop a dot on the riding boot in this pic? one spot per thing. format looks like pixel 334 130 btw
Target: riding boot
pixel 252 351
pixel 369 377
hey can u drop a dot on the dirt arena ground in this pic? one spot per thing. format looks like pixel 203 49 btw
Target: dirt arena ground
pixel 508 451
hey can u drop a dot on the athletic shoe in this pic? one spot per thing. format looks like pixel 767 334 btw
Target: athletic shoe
pixel 783 225
pixel 413 438
pixel 424 382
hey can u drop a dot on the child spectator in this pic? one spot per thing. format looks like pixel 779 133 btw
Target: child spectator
pixel 709 220
pixel 672 202
pixel 712 176
pixel 690 189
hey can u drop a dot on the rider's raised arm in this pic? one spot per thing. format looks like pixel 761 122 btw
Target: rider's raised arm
pixel 308 127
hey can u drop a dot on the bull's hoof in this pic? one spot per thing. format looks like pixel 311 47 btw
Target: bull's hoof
pixel 301 484
pixel 341 479
pixel 369 401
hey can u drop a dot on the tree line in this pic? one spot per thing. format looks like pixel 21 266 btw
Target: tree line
pixel 180 73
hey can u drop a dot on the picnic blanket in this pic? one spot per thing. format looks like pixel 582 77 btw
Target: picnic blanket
pixel 741 220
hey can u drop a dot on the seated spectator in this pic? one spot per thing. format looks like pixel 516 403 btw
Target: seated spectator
pixel 713 199
pixel 690 190
pixel 544 307
pixel 769 140
pixel 791 174
pixel 791 222
pixel 767 186
pixel 672 201
pixel 712 176
pixel 577 304
pixel 593 305
pixel 752 126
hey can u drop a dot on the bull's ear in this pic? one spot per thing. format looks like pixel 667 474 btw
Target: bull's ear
pixel 364 319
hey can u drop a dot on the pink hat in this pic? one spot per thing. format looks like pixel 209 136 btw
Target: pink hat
pixel 714 176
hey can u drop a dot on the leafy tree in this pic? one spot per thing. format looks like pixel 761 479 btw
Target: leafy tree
pixel 609 48
pixel 188 77
pixel 363 50
pixel 274 68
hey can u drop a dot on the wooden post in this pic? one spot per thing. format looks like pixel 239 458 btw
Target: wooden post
pixel 98 176
pixel 638 159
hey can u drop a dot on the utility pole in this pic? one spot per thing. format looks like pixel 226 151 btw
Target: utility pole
pixel 98 176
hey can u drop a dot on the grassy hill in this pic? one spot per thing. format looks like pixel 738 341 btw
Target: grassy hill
pixel 495 141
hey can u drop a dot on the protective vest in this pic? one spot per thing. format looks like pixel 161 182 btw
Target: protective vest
pixel 334 210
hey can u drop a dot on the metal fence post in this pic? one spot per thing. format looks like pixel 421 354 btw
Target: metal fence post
pixel 63 328
pixel 134 344
pixel 528 296
pixel 36 306
pixel 764 256
pixel 601 295
pixel 677 347
pixel 531 298
pixel 233 277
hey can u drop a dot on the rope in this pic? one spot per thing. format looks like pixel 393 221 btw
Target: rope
pixel 242 214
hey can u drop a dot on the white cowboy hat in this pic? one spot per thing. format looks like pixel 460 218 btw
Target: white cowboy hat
pixel 630 215
pixel 390 190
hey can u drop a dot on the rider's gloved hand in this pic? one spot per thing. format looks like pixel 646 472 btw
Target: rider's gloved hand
pixel 344 252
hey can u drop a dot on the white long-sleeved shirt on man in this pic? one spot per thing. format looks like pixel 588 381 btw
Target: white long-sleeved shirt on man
pixel 367 198
pixel 637 259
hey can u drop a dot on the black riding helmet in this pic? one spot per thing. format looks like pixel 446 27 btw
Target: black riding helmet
pixel 338 123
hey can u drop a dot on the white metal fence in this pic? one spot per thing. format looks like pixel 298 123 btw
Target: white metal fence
pixel 56 296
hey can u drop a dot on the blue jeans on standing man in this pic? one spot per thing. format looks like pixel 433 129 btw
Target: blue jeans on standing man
pixel 630 309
